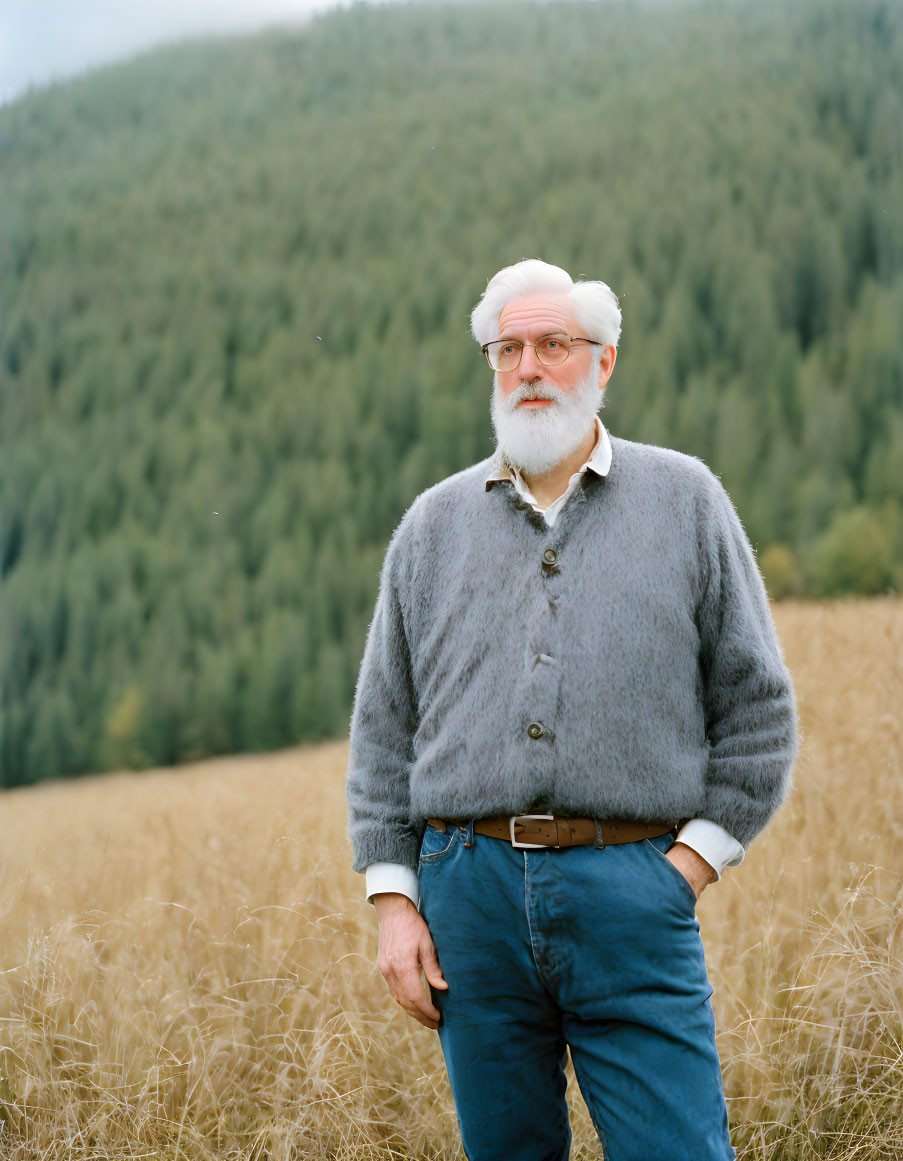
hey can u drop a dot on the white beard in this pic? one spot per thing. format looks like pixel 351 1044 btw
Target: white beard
pixel 535 439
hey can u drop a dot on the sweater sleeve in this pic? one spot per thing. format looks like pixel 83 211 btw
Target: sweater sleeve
pixel 750 706
pixel 383 723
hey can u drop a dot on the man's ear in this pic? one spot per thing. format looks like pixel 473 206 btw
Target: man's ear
pixel 607 363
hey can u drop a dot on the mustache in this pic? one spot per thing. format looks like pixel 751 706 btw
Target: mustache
pixel 532 391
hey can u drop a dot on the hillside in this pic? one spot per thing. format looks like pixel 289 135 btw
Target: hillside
pixel 235 281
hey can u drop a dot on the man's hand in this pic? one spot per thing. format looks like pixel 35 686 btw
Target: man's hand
pixel 692 866
pixel 405 945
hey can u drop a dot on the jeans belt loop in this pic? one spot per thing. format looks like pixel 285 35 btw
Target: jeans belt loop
pixel 599 844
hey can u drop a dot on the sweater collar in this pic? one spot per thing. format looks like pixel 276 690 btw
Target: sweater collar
pixel 598 462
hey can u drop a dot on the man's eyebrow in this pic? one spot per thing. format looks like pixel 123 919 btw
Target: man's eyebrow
pixel 547 335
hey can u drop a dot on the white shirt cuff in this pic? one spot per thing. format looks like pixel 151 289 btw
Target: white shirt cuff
pixel 713 843
pixel 393 877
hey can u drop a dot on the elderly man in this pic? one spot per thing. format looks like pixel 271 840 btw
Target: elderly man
pixel 572 714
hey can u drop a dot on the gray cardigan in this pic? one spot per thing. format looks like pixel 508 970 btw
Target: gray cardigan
pixel 621 664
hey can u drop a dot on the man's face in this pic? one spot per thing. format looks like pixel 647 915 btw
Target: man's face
pixel 541 414
pixel 529 319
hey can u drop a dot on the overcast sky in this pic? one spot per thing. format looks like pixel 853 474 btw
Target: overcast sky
pixel 46 40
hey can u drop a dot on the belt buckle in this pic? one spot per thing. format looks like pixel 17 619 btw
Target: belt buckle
pixel 517 818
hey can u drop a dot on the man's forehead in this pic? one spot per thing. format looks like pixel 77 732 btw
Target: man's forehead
pixel 537 314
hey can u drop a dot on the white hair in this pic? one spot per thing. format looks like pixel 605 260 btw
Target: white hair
pixel 595 303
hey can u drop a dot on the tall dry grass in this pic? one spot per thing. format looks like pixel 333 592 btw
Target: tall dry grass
pixel 187 968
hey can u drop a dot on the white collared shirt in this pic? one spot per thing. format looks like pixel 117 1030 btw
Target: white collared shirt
pixel 599 462
pixel 719 848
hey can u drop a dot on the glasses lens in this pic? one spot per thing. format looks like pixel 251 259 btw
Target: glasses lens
pixel 553 350
pixel 504 356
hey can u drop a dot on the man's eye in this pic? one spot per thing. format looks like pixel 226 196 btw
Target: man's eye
pixel 508 349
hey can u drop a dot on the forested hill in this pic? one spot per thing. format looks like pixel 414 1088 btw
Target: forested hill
pixel 235 280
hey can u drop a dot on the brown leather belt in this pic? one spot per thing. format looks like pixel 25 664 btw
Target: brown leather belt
pixel 546 830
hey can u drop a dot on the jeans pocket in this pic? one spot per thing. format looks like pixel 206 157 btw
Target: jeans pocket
pixel 676 876
pixel 436 845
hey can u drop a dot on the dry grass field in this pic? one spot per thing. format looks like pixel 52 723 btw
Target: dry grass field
pixel 187 968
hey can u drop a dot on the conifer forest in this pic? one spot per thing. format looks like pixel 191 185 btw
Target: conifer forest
pixel 235 284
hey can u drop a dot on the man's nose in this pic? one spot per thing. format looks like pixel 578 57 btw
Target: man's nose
pixel 530 366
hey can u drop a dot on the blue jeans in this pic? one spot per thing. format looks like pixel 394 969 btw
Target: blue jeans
pixel 596 950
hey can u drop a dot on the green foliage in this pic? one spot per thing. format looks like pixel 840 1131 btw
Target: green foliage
pixel 235 280
pixel 861 551
pixel 780 571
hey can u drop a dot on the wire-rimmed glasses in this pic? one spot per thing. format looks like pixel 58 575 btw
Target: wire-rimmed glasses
pixel 551 350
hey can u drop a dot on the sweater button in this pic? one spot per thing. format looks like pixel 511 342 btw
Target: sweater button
pixel 535 730
pixel 550 556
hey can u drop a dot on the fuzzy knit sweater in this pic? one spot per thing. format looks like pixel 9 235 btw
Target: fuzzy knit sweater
pixel 621 664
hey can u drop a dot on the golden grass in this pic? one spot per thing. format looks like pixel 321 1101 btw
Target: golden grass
pixel 188 965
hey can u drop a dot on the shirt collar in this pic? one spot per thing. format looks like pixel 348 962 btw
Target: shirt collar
pixel 599 460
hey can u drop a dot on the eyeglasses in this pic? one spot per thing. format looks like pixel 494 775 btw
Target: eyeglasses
pixel 552 350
